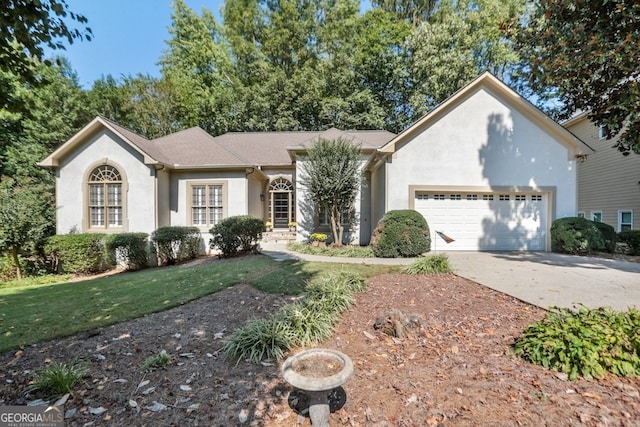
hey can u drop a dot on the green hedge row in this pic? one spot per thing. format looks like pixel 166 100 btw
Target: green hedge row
pixel 88 253
pixel 632 239
pixel 576 235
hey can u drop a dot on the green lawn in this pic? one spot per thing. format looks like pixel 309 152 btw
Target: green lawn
pixel 31 314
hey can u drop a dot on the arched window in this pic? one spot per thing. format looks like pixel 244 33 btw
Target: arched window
pixel 105 198
pixel 281 184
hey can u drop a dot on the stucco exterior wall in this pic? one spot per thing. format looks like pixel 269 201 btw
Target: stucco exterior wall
pixel 71 191
pixel 378 195
pixel 608 182
pixel 483 142
pixel 164 196
pixel 254 190
pixel 235 199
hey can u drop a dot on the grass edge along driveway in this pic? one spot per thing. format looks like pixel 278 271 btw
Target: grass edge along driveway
pixel 33 314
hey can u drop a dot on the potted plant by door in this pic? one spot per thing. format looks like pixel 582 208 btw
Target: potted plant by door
pixel 268 225
pixel 292 225
pixel 318 239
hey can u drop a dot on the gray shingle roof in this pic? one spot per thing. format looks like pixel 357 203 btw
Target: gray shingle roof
pixel 194 147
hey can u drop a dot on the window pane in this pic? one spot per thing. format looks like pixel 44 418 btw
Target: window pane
pixel 198 196
pixel 625 217
pixel 199 216
pixel 97 216
pixel 215 196
pixel 215 216
pixel 96 195
pixel 114 196
pixel 115 216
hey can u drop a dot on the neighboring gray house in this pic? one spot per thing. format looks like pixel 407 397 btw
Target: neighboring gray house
pixel 608 182
pixel 485 167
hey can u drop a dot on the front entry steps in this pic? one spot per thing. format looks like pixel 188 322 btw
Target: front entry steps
pixel 278 236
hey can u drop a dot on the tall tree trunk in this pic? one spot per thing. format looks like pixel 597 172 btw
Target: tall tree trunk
pixel 16 262
pixel 336 226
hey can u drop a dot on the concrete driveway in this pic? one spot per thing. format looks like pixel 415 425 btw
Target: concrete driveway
pixel 548 279
pixel 544 279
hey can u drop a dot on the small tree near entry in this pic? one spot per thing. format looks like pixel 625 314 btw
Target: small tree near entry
pixel 332 177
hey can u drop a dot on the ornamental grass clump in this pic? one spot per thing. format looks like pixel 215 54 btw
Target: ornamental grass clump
pixel 306 322
pixel 587 342
pixel 307 325
pixel 57 379
pixel 432 264
pixel 260 339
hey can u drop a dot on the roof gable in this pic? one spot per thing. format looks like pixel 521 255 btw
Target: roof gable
pixel 501 91
pixel 135 141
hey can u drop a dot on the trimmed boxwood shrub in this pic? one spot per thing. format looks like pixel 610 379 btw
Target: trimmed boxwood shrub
pixel 401 233
pixel 131 249
pixel 575 235
pixel 632 239
pixel 176 244
pixel 236 234
pixel 81 253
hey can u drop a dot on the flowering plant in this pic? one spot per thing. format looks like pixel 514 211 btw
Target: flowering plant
pixel 292 224
pixel 318 237
pixel 268 224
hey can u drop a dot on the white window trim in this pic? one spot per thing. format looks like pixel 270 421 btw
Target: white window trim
pixel 594 213
pixel 603 132
pixel 582 214
pixel 620 212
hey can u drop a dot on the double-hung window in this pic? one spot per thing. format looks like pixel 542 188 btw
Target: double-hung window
pixel 625 220
pixel 105 198
pixel 207 204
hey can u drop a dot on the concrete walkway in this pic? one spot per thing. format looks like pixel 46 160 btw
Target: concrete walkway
pixel 544 279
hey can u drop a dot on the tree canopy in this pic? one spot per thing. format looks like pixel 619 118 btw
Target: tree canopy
pixel 330 174
pixel 26 26
pixel 585 53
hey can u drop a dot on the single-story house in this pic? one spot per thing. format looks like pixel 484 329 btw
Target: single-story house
pixel 608 182
pixel 486 168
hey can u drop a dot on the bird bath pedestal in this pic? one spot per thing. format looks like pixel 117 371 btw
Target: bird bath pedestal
pixel 316 372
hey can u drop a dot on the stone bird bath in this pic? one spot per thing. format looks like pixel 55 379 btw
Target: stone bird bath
pixel 317 372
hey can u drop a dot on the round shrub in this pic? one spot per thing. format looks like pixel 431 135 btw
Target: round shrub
pixel 129 249
pixel 78 253
pixel 174 244
pixel 236 234
pixel 575 235
pixel 401 233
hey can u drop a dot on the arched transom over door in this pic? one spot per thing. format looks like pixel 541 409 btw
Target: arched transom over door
pixel 281 202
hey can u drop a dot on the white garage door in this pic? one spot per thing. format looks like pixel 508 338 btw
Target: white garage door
pixel 485 221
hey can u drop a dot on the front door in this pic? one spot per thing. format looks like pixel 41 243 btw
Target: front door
pixel 281 210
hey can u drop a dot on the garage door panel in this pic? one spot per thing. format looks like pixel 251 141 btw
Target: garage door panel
pixel 486 221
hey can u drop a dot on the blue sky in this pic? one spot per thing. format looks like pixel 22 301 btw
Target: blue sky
pixel 128 36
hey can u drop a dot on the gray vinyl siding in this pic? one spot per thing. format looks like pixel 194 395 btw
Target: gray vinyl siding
pixel 607 180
